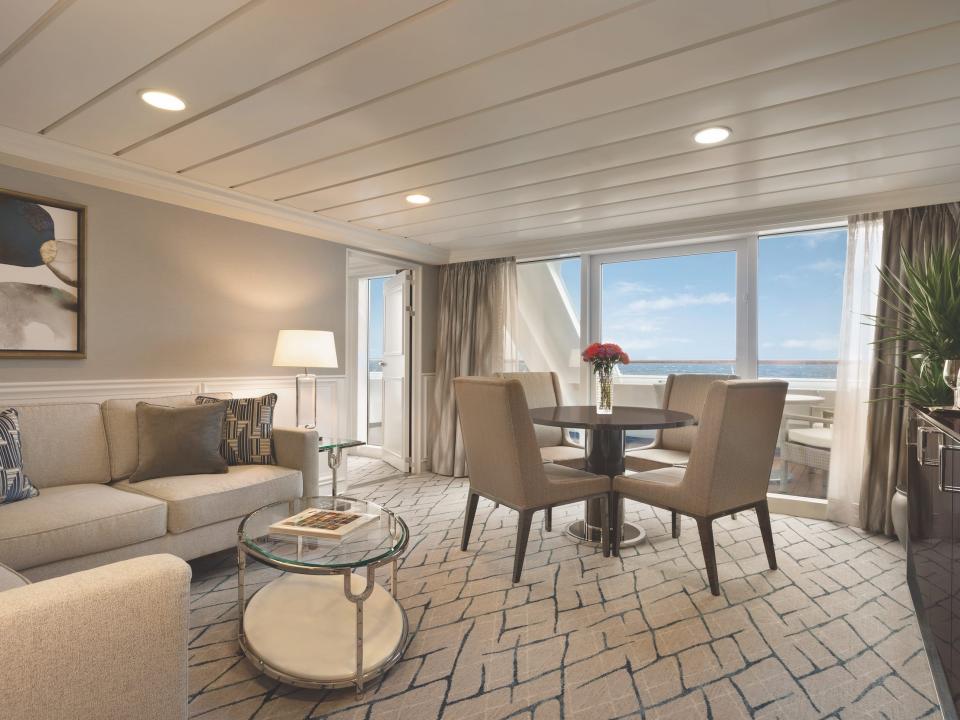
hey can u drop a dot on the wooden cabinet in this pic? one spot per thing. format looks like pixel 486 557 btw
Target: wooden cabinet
pixel 933 549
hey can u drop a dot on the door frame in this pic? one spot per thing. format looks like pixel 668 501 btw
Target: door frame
pixel 361 266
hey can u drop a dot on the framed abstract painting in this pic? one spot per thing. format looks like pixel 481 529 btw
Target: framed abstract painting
pixel 41 277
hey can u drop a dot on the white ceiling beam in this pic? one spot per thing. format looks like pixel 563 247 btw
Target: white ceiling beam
pixel 46 155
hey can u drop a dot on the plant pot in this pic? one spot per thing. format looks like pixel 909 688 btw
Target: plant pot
pixel 898 515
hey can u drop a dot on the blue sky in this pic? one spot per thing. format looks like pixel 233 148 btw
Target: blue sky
pixel 683 307
pixel 375 318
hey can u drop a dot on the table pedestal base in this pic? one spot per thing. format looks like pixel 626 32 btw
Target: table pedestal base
pixel 587 534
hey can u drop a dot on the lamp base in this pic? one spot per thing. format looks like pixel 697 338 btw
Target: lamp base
pixel 307 400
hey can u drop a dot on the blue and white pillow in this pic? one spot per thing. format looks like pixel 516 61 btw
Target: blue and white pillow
pixel 14 483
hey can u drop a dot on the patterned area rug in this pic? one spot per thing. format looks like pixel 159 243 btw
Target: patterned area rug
pixel 830 634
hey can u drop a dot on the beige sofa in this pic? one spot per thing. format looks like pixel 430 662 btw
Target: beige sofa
pixel 87 513
pixel 103 644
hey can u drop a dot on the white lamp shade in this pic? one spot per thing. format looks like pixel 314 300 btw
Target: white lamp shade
pixel 305 349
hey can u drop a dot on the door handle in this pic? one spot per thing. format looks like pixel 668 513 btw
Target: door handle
pixel 922 433
pixel 382 363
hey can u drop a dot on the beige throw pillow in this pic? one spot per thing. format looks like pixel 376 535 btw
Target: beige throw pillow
pixel 179 441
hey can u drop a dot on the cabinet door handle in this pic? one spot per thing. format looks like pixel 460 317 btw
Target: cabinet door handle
pixel 947 460
pixel 922 433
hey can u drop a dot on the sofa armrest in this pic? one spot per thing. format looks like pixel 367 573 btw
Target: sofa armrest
pixel 298 448
pixel 110 642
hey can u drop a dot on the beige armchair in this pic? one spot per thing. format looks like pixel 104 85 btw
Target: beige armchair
pixel 97 644
pixel 728 470
pixel 505 464
pixel 542 389
pixel 684 393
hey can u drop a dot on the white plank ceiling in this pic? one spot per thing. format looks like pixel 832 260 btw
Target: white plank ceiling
pixel 526 121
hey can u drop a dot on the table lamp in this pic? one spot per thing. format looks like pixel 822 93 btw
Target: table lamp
pixel 306 349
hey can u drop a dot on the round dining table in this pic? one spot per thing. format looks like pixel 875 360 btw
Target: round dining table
pixel 604 451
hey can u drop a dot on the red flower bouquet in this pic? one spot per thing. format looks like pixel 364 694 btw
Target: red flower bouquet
pixel 603 356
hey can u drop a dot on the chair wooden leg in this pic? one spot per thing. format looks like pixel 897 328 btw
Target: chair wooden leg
pixel 548 519
pixel 496 505
pixel 471 511
pixel 605 525
pixel 705 526
pixel 733 516
pixel 523 532
pixel 674 524
pixel 763 519
pixel 616 523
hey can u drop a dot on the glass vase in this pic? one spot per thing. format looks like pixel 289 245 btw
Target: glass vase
pixel 604 391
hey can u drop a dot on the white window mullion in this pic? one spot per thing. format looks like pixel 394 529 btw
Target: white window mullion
pixel 747 351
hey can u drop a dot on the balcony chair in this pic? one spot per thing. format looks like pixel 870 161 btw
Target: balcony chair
pixel 728 470
pixel 684 393
pixel 505 464
pixel 542 389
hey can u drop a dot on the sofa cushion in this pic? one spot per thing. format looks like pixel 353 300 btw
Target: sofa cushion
pixel 247 430
pixel 10 579
pixel 63 444
pixel 120 423
pixel 198 500
pixel 74 520
pixel 14 483
pixel 179 441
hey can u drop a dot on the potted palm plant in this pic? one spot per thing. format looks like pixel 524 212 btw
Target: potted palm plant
pixel 922 328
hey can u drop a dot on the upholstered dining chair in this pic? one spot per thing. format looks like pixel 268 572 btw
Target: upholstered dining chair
pixel 686 393
pixel 543 390
pixel 728 470
pixel 505 463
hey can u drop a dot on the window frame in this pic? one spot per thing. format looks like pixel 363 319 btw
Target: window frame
pixel 747 249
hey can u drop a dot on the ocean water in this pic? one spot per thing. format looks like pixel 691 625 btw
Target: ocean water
pixel 765 370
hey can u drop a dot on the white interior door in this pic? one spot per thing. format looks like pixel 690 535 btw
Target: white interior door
pixel 396 350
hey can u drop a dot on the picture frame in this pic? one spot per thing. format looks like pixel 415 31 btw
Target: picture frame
pixel 42 277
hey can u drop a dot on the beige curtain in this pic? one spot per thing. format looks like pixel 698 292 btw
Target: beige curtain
pixel 914 230
pixel 475 331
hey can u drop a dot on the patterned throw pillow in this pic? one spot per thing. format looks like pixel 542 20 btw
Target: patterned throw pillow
pixel 14 484
pixel 247 430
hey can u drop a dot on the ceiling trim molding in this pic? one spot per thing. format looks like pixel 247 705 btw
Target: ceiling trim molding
pixel 30 151
pixel 715 227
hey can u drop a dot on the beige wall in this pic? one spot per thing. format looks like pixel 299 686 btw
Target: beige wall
pixel 173 292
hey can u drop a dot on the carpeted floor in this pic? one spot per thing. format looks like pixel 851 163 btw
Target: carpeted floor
pixel 830 634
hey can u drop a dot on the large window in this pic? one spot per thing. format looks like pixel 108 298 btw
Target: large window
pixel 762 305
pixel 672 314
pixel 800 297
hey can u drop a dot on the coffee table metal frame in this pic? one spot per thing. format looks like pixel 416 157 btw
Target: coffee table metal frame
pixel 360 679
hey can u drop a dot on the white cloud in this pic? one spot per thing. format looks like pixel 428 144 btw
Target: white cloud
pixel 821 343
pixel 625 287
pixel 827 265
pixel 682 300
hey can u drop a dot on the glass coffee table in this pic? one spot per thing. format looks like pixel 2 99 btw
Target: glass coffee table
pixel 320 624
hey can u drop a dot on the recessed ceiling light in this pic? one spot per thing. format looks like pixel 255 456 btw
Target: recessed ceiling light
pixel 162 100
pixel 711 135
pixel 418 199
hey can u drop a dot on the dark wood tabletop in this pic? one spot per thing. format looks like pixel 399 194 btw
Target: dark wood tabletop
pixel 622 418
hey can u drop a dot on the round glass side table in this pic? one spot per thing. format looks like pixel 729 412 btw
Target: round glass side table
pixel 321 624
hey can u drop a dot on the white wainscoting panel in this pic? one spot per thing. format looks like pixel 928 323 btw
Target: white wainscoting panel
pixel 331 395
